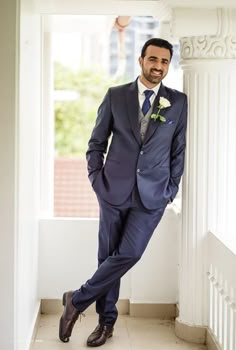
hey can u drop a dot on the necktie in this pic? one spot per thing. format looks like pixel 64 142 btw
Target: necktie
pixel 146 104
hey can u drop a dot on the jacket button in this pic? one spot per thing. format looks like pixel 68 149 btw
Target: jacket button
pixel 141 152
pixel 138 170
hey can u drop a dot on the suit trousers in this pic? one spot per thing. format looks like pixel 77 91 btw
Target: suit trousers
pixel 124 232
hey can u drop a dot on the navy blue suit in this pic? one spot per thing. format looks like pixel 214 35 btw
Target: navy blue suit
pixel 133 185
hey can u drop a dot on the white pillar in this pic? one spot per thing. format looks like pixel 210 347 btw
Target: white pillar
pixel 209 69
pixel 47 130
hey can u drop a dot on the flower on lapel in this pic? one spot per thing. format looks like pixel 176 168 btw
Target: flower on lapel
pixel 163 103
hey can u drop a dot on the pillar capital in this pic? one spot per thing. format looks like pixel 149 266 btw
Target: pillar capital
pixel 208 47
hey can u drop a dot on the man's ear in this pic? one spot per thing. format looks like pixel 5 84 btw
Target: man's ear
pixel 140 61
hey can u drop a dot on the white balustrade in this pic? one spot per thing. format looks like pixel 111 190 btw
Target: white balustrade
pixel 221 293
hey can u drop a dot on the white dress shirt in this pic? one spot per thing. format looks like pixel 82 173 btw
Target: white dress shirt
pixel 141 95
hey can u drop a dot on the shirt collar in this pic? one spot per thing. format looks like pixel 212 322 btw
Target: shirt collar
pixel 142 87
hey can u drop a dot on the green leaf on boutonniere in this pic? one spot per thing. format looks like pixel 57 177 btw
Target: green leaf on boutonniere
pixel 158 116
pixel 162 119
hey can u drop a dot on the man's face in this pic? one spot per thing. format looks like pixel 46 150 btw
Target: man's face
pixel 154 65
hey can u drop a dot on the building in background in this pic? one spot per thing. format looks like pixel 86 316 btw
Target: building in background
pixel 139 30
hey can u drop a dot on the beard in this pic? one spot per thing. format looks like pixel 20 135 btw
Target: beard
pixel 151 77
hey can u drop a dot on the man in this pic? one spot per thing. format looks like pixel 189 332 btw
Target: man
pixel 139 177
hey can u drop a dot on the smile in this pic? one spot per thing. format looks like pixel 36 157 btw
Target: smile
pixel 156 73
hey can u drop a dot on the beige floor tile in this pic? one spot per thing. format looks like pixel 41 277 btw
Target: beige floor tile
pixel 150 334
pixel 130 334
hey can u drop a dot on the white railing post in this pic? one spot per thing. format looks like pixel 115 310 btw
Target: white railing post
pixel 222 294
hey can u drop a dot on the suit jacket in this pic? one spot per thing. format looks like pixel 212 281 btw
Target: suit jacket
pixel 155 165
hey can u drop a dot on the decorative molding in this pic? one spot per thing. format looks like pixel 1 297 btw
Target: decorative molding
pixel 35 329
pixel 211 341
pixel 125 307
pixel 219 22
pixel 225 21
pixel 224 294
pixel 190 333
pixel 195 334
pixel 205 47
pixel 159 311
pixel 54 306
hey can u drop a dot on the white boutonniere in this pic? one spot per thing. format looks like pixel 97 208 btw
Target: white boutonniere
pixel 163 103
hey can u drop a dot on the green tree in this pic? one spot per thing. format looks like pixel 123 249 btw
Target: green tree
pixel 74 120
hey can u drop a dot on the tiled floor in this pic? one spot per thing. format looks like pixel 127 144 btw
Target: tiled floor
pixel 130 334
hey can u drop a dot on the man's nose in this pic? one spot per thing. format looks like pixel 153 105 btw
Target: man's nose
pixel 158 65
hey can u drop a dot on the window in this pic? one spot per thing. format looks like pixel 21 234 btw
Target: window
pixel 86 62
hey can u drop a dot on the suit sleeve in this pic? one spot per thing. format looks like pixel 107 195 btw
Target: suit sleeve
pixel 178 151
pixel 97 145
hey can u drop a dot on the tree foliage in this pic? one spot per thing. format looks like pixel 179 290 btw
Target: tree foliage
pixel 75 119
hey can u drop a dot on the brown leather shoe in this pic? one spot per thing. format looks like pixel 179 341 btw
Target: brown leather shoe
pixel 68 318
pixel 100 335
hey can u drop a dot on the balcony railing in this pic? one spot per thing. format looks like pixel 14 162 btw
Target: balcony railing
pixel 222 294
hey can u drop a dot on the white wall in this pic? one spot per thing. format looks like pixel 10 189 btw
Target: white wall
pixel 19 182
pixel 28 148
pixel 155 278
pixel 68 251
pixel 8 96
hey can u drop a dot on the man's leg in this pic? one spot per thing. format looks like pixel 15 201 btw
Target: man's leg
pixel 110 228
pixel 136 233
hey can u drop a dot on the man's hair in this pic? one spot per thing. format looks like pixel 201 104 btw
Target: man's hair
pixel 157 42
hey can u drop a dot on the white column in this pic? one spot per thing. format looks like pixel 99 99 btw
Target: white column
pixel 47 130
pixel 209 69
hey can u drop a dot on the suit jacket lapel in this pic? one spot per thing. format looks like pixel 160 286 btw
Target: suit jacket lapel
pixel 133 109
pixel 153 124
